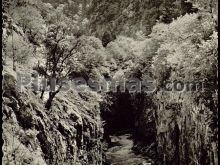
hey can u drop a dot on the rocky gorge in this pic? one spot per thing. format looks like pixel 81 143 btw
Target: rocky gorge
pixel 167 41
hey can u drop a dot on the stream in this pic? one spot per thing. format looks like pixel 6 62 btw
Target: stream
pixel 121 153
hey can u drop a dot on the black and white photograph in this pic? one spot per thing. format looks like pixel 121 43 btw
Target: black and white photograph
pixel 109 82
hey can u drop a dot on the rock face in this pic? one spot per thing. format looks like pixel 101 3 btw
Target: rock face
pixel 186 129
pixel 69 133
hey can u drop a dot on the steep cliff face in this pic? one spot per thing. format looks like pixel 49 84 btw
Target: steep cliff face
pixel 69 133
pixel 186 129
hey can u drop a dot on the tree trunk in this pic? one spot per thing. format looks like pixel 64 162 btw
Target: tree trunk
pixel 50 99
pixel 42 94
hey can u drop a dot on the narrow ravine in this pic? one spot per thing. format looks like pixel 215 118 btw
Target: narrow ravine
pixel 121 135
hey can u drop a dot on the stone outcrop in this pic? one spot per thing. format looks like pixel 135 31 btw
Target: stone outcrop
pixel 69 133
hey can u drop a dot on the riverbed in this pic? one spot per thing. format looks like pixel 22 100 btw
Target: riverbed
pixel 121 153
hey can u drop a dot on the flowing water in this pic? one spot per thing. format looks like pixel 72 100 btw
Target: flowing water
pixel 121 153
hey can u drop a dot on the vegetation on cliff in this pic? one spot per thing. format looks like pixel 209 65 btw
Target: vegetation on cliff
pixel 166 40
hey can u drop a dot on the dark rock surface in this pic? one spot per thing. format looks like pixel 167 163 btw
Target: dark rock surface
pixel 69 133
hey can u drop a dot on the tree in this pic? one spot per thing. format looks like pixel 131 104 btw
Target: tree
pixel 58 59
pixel 70 14
pixel 117 16
pixel 90 56
pixel 35 28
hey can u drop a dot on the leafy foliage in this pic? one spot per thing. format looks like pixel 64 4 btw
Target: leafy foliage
pixel 127 17
pixel 57 66
pixel 19 48
pixel 34 27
